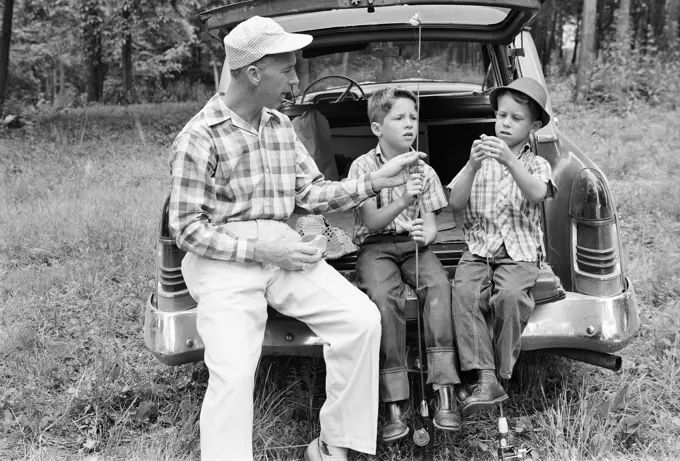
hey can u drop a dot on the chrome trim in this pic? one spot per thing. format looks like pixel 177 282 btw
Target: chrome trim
pixel 601 324
pixel 578 321
pixel 172 336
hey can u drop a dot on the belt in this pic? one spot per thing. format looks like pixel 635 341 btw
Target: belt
pixel 388 238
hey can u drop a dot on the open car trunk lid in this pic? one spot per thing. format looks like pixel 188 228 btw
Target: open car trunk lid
pixel 331 21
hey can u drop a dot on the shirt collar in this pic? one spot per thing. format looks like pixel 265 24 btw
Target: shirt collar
pixel 216 111
pixel 379 156
pixel 526 149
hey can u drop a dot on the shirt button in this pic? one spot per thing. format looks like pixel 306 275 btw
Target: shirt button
pixel 266 170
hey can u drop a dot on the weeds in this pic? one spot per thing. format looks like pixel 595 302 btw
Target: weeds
pixel 81 193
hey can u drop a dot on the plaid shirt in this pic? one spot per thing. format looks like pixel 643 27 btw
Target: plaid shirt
pixel 432 198
pixel 497 213
pixel 224 170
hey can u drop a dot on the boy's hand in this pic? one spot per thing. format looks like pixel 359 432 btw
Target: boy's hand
pixel 497 149
pixel 414 187
pixel 417 231
pixel 476 155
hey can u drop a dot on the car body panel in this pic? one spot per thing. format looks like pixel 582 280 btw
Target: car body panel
pixel 565 321
pixel 577 321
pixel 495 21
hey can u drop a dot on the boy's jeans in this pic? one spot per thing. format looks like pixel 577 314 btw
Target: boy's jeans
pixel 384 263
pixel 504 298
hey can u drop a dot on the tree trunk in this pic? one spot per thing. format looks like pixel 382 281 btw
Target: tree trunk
pixel 623 25
pixel 657 22
pixel 55 84
pixel 128 84
pixel 622 43
pixel 587 49
pixel 5 39
pixel 92 47
pixel 345 63
pixel 216 75
pixel 303 71
pixel 59 74
pixel 387 64
pixel 672 18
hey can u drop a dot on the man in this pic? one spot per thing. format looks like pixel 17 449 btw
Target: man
pixel 238 170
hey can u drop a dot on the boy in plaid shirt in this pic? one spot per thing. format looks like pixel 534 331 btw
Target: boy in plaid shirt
pixel 387 229
pixel 501 189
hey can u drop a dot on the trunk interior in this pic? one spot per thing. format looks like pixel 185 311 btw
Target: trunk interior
pixel 445 135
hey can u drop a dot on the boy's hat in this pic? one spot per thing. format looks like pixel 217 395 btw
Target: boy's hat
pixel 529 87
pixel 257 37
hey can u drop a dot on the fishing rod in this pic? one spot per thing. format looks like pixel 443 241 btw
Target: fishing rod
pixel 424 435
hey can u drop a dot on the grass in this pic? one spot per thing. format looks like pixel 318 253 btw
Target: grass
pixel 80 195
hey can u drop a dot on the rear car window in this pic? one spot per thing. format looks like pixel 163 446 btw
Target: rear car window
pixel 393 62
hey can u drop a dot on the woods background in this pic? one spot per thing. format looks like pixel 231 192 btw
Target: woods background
pixel 67 53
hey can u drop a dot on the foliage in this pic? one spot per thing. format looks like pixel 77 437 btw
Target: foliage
pixel 624 78
pixel 83 190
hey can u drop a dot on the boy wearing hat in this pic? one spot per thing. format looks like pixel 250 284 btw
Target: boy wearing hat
pixel 501 189
pixel 387 229
pixel 238 171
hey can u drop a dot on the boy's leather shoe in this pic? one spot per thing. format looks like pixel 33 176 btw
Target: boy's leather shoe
pixel 486 394
pixel 464 392
pixel 446 416
pixel 318 451
pixel 396 417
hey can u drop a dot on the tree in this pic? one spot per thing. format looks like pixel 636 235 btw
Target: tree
pixel 5 39
pixel 587 46
pixel 126 52
pixel 623 25
pixel 91 17
pixel 672 18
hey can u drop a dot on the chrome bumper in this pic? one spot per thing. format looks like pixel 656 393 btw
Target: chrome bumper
pixel 578 321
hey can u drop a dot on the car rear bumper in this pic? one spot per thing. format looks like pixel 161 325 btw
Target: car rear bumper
pixel 576 322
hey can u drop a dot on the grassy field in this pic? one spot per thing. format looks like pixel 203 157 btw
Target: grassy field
pixel 80 195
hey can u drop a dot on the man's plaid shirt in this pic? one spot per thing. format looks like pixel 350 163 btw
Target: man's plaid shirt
pixel 497 213
pixel 224 170
pixel 432 198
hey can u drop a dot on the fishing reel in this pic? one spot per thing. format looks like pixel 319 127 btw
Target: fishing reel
pixel 505 450
pixel 510 452
pixel 422 436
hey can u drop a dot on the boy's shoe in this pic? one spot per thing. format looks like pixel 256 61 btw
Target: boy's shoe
pixel 318 451
pixel 446 416
pixel 396 417
pixel 465 391
pixel 487 393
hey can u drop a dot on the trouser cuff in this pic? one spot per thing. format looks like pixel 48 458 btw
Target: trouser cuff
pixel 442 366
pixel 394 384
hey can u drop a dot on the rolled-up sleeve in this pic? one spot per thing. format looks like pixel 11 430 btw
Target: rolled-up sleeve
pixel 541 170
pixel 192 201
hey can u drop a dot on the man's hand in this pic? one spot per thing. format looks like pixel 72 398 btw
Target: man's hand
pixel 414 187
pixel 417 231
pixel 497 149
pixel 391 173
pixel 287 254
pixel 476 155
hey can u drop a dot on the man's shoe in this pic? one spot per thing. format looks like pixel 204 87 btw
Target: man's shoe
pixel 318 451
pixel 486 394
pixel 446 416
pixel 396 417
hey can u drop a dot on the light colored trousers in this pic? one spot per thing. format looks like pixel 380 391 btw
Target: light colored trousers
pixel 232 312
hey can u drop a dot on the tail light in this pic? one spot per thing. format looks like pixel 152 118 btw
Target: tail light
pixel 172 294
pixel 596 256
